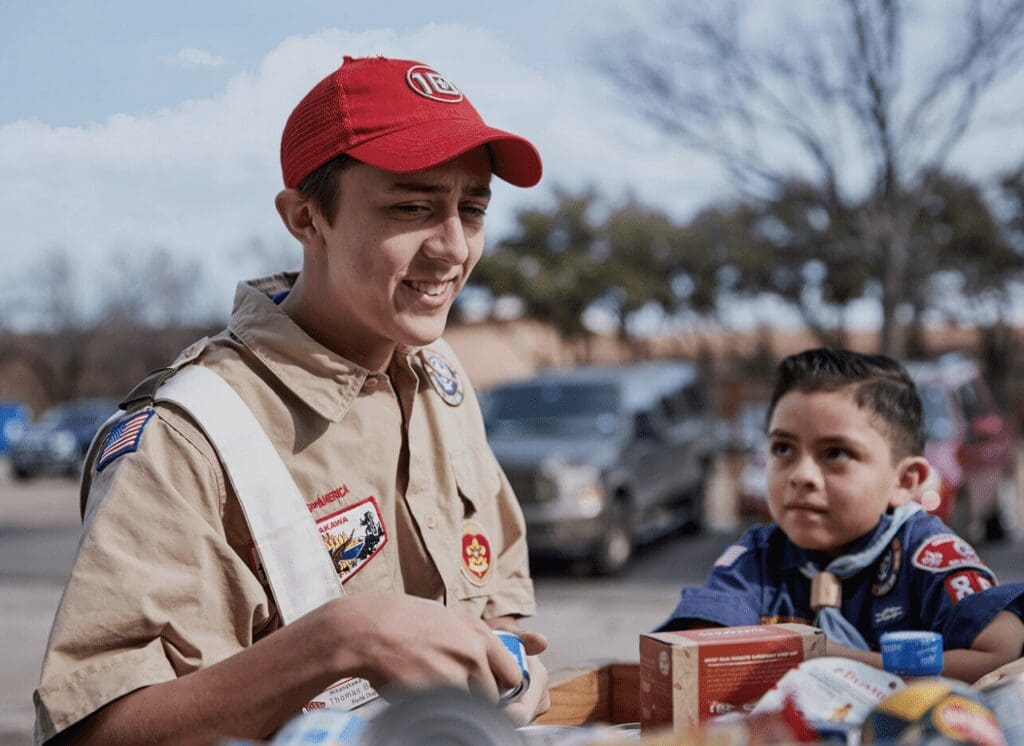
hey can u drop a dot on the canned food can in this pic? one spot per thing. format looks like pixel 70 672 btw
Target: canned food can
pixel 515 646
pixel 912 653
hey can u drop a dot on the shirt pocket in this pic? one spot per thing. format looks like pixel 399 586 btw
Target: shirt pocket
pixel 478 524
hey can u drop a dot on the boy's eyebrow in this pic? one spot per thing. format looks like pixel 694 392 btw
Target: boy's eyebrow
pixel 477 190
pixel 842 440
pixel 826 440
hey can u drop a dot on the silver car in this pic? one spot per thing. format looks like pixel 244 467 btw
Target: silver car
pixel 603 458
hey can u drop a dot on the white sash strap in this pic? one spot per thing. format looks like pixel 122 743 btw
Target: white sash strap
pixel 296 563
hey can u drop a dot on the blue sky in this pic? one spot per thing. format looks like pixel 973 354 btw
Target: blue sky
pixel 72 63
pixel 131 126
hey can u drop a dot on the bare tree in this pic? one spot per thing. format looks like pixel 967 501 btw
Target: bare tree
pixel 154 288
pixel 841 101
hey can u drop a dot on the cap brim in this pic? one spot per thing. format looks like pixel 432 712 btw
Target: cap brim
pixel 431 143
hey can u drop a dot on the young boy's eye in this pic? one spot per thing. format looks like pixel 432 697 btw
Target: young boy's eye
pixel 474 211
pixel 410 209
pixel 780 448
pixel 836 453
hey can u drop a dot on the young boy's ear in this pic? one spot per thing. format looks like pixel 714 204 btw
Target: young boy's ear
pixel 911 474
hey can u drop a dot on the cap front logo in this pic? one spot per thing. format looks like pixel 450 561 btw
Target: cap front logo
pixel 431 84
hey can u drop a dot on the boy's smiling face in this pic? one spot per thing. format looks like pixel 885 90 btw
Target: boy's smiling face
pixel 831 472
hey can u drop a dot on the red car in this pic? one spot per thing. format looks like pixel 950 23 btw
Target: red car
pixel 971 444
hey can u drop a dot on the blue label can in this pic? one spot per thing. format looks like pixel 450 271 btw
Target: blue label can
pixel 514 646
pixel 911 653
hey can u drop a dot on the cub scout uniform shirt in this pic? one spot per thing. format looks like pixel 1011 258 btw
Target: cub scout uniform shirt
pixel 395 470
pixel 927 579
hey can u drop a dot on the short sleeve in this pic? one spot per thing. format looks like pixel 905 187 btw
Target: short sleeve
pixel 513 588
pixel 976 611
pixel 730 597
pixel 957 591
pixel 157 590
pixel 510 593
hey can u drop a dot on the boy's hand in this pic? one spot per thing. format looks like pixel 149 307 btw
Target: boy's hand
pixel 842 651
pixel 397 640
pixel 535 701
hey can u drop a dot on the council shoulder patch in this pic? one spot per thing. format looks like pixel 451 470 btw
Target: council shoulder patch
pixel 353 536
pixel 477 560
pixel 944 552
pixel 444 379
pixel 124 437
pixel 732 553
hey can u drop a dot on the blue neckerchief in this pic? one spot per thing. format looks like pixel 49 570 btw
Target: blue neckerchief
pixel 837 628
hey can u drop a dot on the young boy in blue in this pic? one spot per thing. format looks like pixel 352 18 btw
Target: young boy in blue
pixel 845 437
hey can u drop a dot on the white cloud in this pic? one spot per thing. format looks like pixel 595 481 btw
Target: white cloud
pixel 200 178
pixel 191 58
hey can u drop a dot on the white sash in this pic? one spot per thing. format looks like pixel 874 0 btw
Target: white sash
pixel 297 565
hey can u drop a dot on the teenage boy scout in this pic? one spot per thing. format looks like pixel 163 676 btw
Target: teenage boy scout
pixel 305 505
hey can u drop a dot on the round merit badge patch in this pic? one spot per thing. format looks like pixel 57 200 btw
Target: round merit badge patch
pixel 445 380
pixel 888 569
pixel 476 553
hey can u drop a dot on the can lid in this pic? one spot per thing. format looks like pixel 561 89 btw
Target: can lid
pixel 912 653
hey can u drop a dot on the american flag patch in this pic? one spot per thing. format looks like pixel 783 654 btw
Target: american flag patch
pixel 730 555
pixel 123 438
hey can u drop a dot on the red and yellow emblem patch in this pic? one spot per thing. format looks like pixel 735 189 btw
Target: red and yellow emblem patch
pixel 477 559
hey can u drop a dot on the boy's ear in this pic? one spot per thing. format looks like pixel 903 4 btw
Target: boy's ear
pixel 298 216
pixel 911 474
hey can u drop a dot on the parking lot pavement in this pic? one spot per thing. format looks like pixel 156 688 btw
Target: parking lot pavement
pixel 24 626
pixel 584 618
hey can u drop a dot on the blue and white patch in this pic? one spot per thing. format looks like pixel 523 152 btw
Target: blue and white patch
pixel 730 555
pixel 445 380
pixel 124 437
pixel 888 569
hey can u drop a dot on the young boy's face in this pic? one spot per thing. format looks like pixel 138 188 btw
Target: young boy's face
pixel 831 474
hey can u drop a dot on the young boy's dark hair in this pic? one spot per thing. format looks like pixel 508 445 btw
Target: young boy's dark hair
pixel 878 382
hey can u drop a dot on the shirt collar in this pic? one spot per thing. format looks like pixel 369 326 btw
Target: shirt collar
pixel 323 380
pixel 794 556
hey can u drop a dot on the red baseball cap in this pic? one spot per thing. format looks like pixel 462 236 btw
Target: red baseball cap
pixel 398 115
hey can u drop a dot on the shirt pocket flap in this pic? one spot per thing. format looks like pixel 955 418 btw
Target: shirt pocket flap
pixel 477 480
pixel 478 485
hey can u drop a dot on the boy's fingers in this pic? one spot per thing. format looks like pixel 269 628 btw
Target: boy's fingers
pixel 534 642
pixel 503 664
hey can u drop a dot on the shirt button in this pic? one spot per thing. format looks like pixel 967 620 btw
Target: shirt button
pixel 431 522
pixel 371 384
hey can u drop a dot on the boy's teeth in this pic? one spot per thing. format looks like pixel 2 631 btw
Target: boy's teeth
pixel 430 288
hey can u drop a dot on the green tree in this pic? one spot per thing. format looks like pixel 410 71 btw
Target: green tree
pixel 557 261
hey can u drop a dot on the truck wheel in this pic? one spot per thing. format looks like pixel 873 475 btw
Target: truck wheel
pixel 615 549
pixel 696 504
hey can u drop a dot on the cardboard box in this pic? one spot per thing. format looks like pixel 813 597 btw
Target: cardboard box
pixel 690 676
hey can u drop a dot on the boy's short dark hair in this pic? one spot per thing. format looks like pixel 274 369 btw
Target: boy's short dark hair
pixel 323 185
pixel 879 383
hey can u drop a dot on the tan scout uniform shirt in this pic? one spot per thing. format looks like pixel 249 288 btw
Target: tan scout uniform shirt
pixel 166 578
